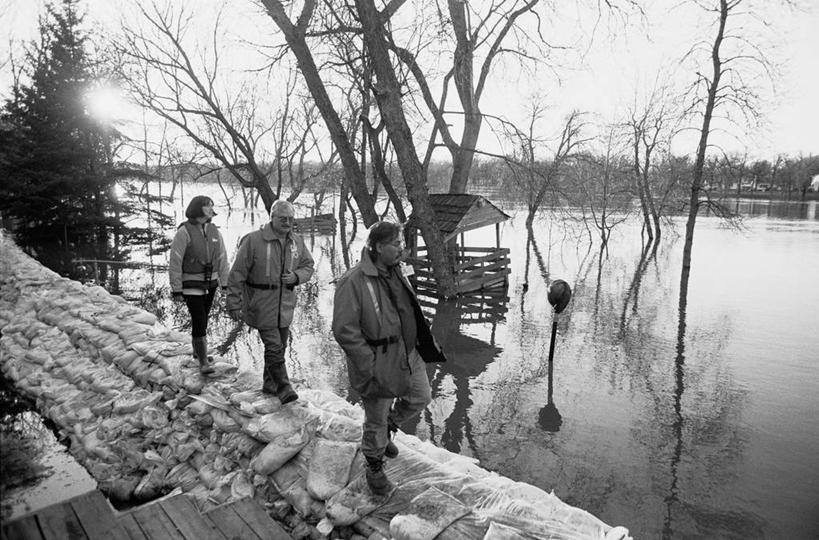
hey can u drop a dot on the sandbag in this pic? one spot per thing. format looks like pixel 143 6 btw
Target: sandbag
pixel 427 516
pixel 279 451
pixel 329 468
pixel 277 424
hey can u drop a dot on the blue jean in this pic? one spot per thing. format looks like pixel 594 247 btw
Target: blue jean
pixel 380 412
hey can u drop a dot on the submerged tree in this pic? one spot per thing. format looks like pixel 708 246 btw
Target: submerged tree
pixel 59 175
pixel 726 94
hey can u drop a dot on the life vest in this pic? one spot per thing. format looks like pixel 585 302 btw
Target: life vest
pixel 200 251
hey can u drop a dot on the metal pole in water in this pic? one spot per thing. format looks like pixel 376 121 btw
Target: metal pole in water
pixel 559 296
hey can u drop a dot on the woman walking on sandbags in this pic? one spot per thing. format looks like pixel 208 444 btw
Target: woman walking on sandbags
pixel 197 266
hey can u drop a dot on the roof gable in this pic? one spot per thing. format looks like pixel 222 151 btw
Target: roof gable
pixel 460 212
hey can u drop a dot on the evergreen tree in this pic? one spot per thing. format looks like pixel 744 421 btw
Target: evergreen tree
pixel 58 180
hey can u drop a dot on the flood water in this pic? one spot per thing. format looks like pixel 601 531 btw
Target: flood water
pixel 700 423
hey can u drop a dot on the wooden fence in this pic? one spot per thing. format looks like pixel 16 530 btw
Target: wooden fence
pixel 317 224
pixel 475 269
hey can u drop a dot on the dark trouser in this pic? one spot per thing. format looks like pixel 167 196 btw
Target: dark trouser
pixel 380 412
pixel 199 308
pixel 275 343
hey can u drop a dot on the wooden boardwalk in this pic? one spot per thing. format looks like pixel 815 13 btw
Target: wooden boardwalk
pixel 91 517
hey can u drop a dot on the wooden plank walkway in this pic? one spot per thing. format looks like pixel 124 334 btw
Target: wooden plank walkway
pixel 91 517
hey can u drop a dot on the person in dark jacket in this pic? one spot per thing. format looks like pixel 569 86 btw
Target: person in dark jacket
pixel 378 322
pixel 270 263
pixel 197 266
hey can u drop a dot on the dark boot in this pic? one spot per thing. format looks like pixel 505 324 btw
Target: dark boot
pixel 277 382
pixel 200 351
pixel 391 451
pixel 269 385
pixel 377 479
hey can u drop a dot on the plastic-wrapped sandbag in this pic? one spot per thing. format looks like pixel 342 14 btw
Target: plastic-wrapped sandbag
pixel 241 444
pixel 279 450
pixel 223 421
pixel 38 356
pixel 499 531
pixel 241 487
pixel 354 502
pixel 427 515
pixel 246 396
pixel 126 360
pixel 154 417
pixel 143 317
pixel 151 484
pixel 283 422
pixel 182 475
pixel 99 449
pixel 136 400
pixel 329 468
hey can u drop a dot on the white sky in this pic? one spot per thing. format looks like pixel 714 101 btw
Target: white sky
pixel 614 71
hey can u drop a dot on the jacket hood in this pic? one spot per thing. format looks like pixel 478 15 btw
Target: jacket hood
pixel 367 264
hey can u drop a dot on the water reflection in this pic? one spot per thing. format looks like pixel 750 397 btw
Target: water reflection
pixel 675 421
pixel 752 208
pixel 467 357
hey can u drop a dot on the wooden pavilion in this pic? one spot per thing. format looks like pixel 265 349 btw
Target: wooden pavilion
pixel 476 268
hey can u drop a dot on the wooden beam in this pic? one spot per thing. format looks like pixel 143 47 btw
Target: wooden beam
pixel 232 526
pixel 24 528
pixel 187 519
pixel 477 260
pixel 488 269
pixel 96 516
pixel 132 528
pixel 155 523
pixel 58 522
pixel 258 520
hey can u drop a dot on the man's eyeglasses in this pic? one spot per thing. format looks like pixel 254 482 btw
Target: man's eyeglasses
pixel 284 219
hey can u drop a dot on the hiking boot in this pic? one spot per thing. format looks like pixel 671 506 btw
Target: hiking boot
pixel 200 352
pixel 377 479
pixel 391 451
pixel 277 382
pixel 286 394
pixel 206 367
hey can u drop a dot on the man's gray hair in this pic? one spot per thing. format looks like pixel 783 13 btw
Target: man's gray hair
pixel 279 206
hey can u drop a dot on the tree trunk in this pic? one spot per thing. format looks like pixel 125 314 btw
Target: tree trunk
pixel 641 188
pixel 294 35
pixel 388 95
pixel 463 156
pixel 696 182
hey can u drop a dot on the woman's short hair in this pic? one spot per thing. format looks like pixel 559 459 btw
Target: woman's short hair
pixel 194 209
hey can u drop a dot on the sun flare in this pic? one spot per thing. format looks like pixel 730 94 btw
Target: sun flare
pixel 105 103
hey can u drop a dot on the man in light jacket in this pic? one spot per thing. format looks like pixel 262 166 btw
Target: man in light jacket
pixel 378 322
pixel 269 264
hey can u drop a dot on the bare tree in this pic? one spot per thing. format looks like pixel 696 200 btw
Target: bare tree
pixel 538 176
pixel 295 34
pixel 490 30
pixel 601 186
pixel 182 84
pixel 726 93
pixel 388 95
pixel 651 127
